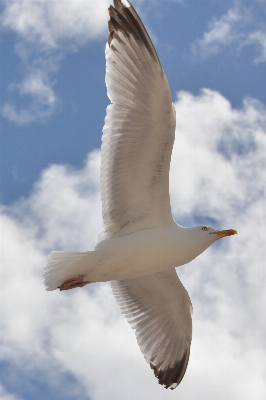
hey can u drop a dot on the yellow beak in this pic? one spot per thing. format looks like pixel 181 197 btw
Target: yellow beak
pixel 227 232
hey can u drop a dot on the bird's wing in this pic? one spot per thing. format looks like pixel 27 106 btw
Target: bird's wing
pixel 158 307
pixel 139 129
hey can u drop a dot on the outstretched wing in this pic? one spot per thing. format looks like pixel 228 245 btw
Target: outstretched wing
pixel 139 129
pixel 158 307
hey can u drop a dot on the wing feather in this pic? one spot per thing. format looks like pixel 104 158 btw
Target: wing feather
pixel 158 307
pixel 139 129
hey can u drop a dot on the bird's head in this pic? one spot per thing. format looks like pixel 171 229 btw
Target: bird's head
pixel 208 235
pixel 197 239
pixel 208 230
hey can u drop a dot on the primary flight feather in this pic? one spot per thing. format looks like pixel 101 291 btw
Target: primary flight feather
pixel 141 243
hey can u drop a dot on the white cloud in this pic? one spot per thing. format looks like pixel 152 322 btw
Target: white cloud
pixel 258 38
pixel 37 86
pixel 237 28
pixel 221 32
pixel 46 30
pixel 50 23
pixel 217 173
pixel 236 136
pixel 4 395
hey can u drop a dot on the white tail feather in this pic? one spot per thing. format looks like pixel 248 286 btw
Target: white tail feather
pixel 63 265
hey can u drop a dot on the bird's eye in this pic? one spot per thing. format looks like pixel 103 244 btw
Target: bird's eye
pixel 204 228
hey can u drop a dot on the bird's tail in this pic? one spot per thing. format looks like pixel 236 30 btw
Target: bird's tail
pixel 63 265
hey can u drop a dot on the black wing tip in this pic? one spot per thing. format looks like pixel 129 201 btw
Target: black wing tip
pixel 172 377
pixel 115 23
pixel 123 17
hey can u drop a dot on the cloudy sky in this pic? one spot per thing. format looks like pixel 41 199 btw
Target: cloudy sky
pixel 76 345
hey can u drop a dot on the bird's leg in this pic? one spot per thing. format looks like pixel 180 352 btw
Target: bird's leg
pixel 73 283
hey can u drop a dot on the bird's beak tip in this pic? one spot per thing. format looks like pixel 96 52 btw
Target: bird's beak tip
pixel 226 232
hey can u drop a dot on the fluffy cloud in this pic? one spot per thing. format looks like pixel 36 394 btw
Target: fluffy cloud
pixel 258 38
pixel 38 87
pixel 237 28
pixel 49 23
pixel 46 30
pixel 217 177
pixel 235 136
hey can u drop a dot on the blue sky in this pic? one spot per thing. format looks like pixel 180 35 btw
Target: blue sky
pixel 53 101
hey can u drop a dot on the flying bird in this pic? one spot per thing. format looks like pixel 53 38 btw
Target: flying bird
pixel 141 243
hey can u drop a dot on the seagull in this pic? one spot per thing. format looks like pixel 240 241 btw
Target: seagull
pixel 141 244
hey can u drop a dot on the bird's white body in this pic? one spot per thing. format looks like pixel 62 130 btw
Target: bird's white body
pixel 144 252
pixel 133 255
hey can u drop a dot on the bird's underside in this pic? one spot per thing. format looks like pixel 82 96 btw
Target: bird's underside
pixel 141 244
pixel 137 143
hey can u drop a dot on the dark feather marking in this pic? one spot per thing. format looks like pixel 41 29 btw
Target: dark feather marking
pixel 122 21
pixel 127 20
pixel 118 5
pixel 174 375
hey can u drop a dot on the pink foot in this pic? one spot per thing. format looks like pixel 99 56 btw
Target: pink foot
pixel 73 283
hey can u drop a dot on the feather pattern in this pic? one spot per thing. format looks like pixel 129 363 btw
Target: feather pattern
pixel 139 129
pixel 158 307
